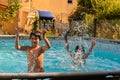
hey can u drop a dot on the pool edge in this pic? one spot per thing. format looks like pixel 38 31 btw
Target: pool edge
pixel 63 76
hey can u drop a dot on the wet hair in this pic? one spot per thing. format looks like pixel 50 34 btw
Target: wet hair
pixel 77 48
pixel 36 34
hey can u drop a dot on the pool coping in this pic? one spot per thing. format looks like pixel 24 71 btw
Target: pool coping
pixel 61 37
pixel 63 76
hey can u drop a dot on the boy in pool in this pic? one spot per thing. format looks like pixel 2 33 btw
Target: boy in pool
pixel 35 53
pixel 80 55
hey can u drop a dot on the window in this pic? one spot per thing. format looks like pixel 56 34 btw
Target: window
pixel 70 1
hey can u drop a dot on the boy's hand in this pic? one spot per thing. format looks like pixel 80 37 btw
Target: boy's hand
pixel 93 43
pixel 17 31
pixel 44 31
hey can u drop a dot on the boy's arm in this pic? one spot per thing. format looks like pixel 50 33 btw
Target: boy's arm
pixel 66 43
pixel 93 43
pixel 47 46
pixel 17 46
pixel 67 46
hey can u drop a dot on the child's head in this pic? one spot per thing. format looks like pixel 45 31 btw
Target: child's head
pixel 36 34
pixel 79 48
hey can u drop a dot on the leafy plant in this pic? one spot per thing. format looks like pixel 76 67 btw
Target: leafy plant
pixel 95 11
pixel 10 11
pixel 36 24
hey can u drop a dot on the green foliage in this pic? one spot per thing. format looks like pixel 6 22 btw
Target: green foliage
pixel 101 9
pixel 50 33
pixel 106 9
pixel 12 8
pixel 85 3
pixel 10 11
pixel 109 29
pixel 36 24
pixel 78 14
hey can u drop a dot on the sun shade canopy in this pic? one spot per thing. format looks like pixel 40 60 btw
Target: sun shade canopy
pixel 45 15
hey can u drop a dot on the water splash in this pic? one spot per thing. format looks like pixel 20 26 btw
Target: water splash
pixel 80 27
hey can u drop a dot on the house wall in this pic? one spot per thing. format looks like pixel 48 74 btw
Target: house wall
pixel 60 8
pixel 8 27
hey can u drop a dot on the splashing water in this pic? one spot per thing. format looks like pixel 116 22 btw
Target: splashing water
pixel 79 40
pixel 58 60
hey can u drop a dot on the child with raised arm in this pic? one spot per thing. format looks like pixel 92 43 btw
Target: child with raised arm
pixel 35 53
pixel 80 55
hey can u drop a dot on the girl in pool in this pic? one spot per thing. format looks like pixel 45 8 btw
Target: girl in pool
pixel 80 55
pixel 35 53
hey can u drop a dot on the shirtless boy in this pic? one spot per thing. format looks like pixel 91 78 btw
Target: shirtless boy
pixel 80 55
pixel 35 53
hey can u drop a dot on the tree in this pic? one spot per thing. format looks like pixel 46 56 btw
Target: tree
pixel 36 24
pixel 10 11
pixel 100 9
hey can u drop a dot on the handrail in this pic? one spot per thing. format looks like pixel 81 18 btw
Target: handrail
pixel 104 75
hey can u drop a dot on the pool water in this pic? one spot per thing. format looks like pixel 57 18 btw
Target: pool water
pixel 104 57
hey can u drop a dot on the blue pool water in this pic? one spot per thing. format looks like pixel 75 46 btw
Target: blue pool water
pixel 105 57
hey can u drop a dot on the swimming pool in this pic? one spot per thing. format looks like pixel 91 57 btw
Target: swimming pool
pixel 105 57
